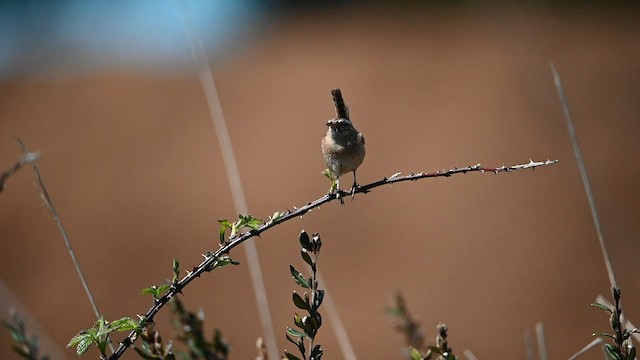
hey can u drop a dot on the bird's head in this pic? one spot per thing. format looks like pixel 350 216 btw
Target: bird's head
pixel 340 125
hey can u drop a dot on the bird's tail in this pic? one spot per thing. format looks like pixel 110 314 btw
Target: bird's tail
pixel 342 111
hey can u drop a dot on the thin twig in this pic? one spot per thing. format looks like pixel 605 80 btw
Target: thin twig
pixel 528 346
pixel 583 173
pixel 211 259
pixel 26 158
pixel 470 355
pixel 44 194
pixel 542 342
pixel 591 345
pixel 205 74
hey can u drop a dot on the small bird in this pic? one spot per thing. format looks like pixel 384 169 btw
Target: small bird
pixel 343 145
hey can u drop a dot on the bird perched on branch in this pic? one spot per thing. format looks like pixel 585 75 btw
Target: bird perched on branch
pixel 343 145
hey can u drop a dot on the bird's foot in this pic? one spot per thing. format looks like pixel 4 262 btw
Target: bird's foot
pixel 353 190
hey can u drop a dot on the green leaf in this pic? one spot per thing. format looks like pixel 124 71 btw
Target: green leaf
pixel 317 300
pixel 301 347
pixel 156 291
pixel 101 325
pixel 312 323
pixel 305 241
pixel 612 352
pixel 291 340
pixel 414 354
pixel 150 290
pixel 316 352
pixel 293 332
pixel 332 177
pixel 604 334
pixel 102 343
pixel 21 351
pixel 83 346
pixel 328 173
pixel 298 321
pixel 82 341
pixel 290 356
pixel 17 337
pixel 163 289
pixel 249 221
pixel 632 354
pixel 224 225
pixel 306 257
pixel 226 260
pixel 124 324
pixel 299 278
pixel 317 243
pixel 77 339
pixel 300 303
pixel 601 307
pixel 176 271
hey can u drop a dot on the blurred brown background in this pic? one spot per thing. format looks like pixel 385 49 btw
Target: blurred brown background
pixel 132 163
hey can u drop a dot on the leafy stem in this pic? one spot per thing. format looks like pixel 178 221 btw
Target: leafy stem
pixel 26 346
pixel 621 349
pixel 99 334
pixel 414 334
pixel 308 325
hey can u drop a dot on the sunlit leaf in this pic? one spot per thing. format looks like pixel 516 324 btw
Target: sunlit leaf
pixel 293 332
pixel 414 354
pixel 299 302
pixel 612 352
pixel 83 346
pixel 124 324
pixel 299 278
pixel 306 257
pixel 601 307
pixel 305 241
pixel 291 356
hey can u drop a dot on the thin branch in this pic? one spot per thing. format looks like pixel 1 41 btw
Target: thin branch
pixel 395 178
pixel 27 158
pixel 591 345
pixel 528 346
pixel 44 194
pixel 211 259
pixel 470 355
pixel 542 342
pixel 583 173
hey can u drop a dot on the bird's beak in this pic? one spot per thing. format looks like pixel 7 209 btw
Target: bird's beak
pixel 331 124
